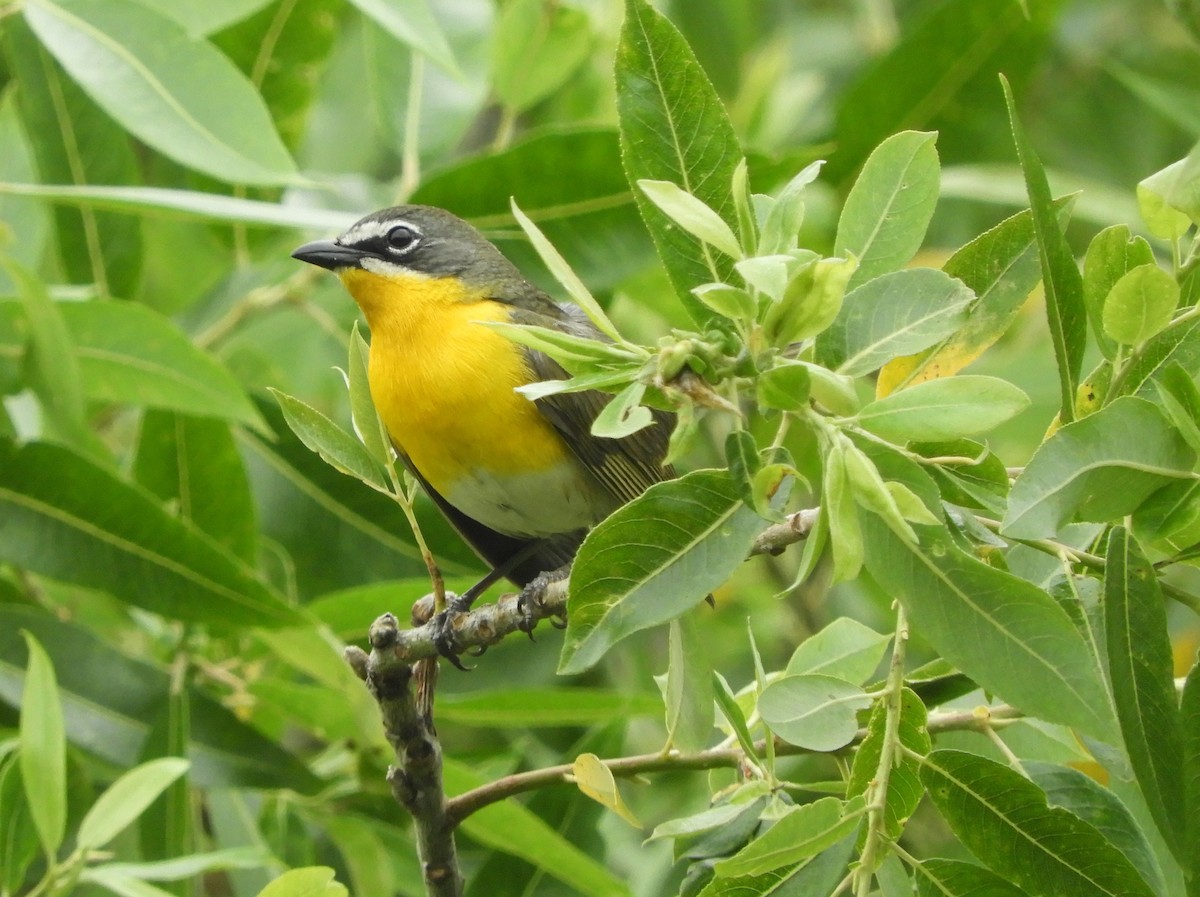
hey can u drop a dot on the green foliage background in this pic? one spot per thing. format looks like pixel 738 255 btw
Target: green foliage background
pixel 162 531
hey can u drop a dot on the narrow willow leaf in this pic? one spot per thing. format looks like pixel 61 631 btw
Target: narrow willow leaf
pixel 782 225
pixel 692 215
pixel 1063 283
pixel 1110 256
pixel 1140 670
pixel 565 276
pixel 192 865
pixel 1189 712
pixel 1001 268
pixel 653 559
pixel 366 420
pixel 1178 344
pixel 363 851
pixel 43 749
pixel 194 464
pixel 939 877
pixel 1009 636
pixel 799 835
pixel 1004 820
pixel 1140 304
pixel 813 711
pixel 18 835
pixel 820 875
pixel 412 22
pixel 623 415
pixel 514 829
pixel 125 799
pixel 1093 803
pixel 131 354
pixel 732 711
pixel 944 409
pixel 71 520
pixel 337 447
pixel 189 204
pixel 111 702
pixel 889 207
pixel 845 648
pixel 689 691
pixel 904 789
pixel 596 780
pixel 1097 469
pixel 673 128
pixel 177 93
pixel 535 50
pixel 841 512
pixel 895 314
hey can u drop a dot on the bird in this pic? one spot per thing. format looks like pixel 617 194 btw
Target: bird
pixel 521 480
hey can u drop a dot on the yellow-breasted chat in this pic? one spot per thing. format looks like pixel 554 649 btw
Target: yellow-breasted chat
pixel 521 480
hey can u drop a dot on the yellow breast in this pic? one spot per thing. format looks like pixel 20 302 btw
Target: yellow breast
pixel 444 384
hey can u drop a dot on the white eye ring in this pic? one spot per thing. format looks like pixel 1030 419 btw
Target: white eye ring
pixel 401 238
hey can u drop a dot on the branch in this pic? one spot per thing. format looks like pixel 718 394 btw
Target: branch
pixel 416 779
pixel 459 808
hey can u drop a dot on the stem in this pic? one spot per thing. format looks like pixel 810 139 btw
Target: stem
pixel 410 162
pixel 877 840
pixel 504 129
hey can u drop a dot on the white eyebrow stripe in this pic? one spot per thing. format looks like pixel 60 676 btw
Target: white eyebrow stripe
pixel 373 228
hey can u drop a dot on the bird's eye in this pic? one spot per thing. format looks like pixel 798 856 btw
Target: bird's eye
pixel 401 237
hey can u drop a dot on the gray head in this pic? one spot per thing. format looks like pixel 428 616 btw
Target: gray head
pixel 422 240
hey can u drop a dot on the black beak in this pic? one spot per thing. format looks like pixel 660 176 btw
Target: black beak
pixel 329 255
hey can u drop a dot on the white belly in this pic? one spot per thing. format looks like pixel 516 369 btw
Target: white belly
pixel 557 500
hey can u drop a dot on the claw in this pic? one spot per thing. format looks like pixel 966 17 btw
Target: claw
pixel 443 633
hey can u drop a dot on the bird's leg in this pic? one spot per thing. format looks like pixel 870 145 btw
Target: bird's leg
pixel 531 596
pixel 443 632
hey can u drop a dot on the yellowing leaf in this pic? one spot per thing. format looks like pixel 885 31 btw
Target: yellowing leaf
pixel 596 781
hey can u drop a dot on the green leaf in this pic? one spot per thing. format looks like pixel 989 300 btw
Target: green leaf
pixel 74 142
pixel 564 275
pixel 885 216
pixel 1003 819
pixel 904 789
pixel 799 835
pixel 201 17
pixel 1008 635
pixel 845 648
pixel 50 363
pixel 111 701
pixel 535 49
pixel 43 749
pixel 185 204
pixel 124 352
pixel 688 693
pixel 819 875
pixel 813 711
pixel 69 519
pixel 1097 469
pixel 673 128
pixel 1178 344
pixel 785 386
pixel 810 301
pixel 623 415
pixel 1095 804
pixel 367 425
pixel 587 210
pixel 954 878
pixel 125 799
pixel 1189 713
pixel 365 854
pixel 1169 200
pixel 1110 256
pixel 412 22
pixel 841 511
pixel 1180 399
pixel 653 559
pixel 193 463
pixel 1140 304
pixel 894 314
pixel 513 828
pixel 782 224
pixel 337 447
pixel 18 835
pixel 191 865
pixel 732 711
pixel 312 881
pixel 943 409
pixel 177 93
pixel 1140 668
pixel 692 215
pixel 1061 279
pixel 1001 268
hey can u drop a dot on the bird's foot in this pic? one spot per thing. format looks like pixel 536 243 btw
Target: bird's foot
pixel 445 636
pixel 529 602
